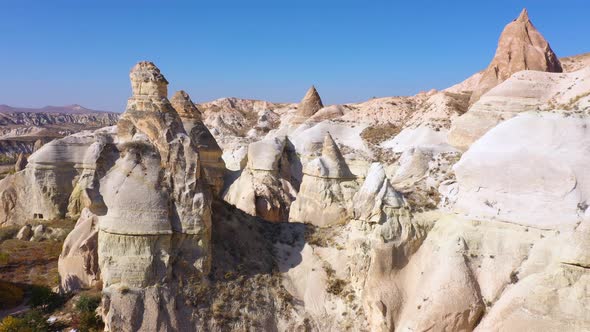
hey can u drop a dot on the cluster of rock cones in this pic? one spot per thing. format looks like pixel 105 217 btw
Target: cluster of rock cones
pixel 458 210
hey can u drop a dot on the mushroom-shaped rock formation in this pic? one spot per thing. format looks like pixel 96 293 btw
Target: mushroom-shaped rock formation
pixel 209 151
pixel 521 47
pixel 267 187
pixel 309 105
pixel 327 189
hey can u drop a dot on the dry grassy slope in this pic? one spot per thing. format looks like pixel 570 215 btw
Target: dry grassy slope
pixel 575 62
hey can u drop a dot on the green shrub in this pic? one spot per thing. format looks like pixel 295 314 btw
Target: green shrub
pixel 88 303
pixel 36 321
pixel 4 258
pixel 32 321
pixel 8 232
pixel 13 324
pixel 85 319
pixel 44 298
pixel 89 322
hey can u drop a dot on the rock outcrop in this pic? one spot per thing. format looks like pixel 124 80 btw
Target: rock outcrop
pixel 521 47
pixel 153 241
pixel 524 91
pixel 376 198
pixel 54 178
pixel 528 170
pixel 21 162
pixel 268 185
pixel 209 151
pixel 327 189
pixel 78 261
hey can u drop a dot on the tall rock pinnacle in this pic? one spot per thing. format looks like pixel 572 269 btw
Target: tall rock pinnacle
pixel 520 47
pixel 311 103
pixel 146 80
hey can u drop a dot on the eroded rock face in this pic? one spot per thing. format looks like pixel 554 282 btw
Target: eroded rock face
pixel 376 197
pixel 21 162
pixel 522 92
pixel 528 170
pixel 521 47
pixel 78 262
pixel 56 179
pixel 267 186
pixel 209 151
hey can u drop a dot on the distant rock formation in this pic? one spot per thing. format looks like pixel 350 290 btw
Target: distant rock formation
pixel 309 105
pixel 521 47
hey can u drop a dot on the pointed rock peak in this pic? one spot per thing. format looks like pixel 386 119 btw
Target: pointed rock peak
pixel 524 16
pixel 184 106
pixel 330 149
pixel 520 47
pixel 146 80
pixel 311 103
pixel 181 95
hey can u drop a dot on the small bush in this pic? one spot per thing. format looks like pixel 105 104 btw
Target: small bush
pixel 88 322
pixel 32 321
pixel 13 324
pixel 36 321
pixel 86 319
pixel 45 299
pixel 88 303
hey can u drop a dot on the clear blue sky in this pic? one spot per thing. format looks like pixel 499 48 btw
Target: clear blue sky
pixel 63 52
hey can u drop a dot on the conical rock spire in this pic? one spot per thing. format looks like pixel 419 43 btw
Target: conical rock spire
pixel 310 104
pixel 520 47
pixel 184 106
pixel 331 164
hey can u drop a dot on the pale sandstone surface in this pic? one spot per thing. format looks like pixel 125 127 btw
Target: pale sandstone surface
pixel 308 107
pixel 384 234
pixel 529 170
pixel 524 91
pixel 78 262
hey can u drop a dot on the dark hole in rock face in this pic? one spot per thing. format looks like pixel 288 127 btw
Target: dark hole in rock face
pixel 37 216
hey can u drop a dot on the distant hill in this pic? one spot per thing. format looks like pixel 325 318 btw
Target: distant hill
pixel 67 109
